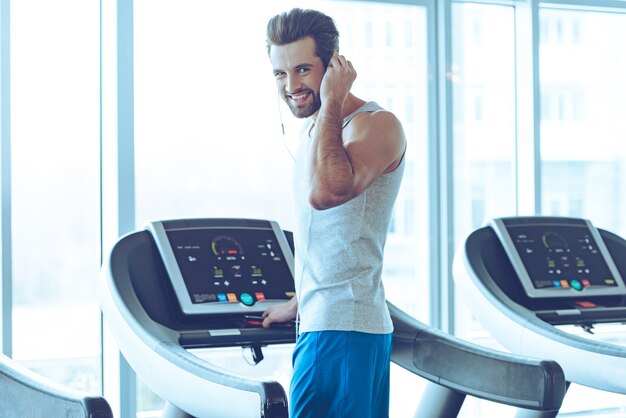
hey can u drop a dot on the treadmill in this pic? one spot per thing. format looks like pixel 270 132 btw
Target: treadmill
pixel 525 278
pixel 187 285
pixel 24 393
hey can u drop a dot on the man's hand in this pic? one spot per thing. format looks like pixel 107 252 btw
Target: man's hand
pixel 337 80
pixel 283 312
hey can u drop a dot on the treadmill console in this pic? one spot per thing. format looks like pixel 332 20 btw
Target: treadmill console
pixel 559 257
pixel 225 266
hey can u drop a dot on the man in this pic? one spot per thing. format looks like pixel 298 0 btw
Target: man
pixel 349 168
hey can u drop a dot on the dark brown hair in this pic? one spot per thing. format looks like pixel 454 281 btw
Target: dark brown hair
pixel 296 24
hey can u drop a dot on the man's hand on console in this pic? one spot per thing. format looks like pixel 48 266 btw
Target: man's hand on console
pixel 281 313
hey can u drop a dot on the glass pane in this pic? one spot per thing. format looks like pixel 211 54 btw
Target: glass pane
pixel 582 67
pixel 582 63
pixel 483 80
pixel 208 120
pixel 55 74
pixel 484 132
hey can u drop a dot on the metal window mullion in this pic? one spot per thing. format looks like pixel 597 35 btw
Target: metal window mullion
pixel 602 5
pixel 126 167
pixel 434 164
pixel 117 175
pixel 126 116
pixel 6 290
pixel 536 106
pixel 442 191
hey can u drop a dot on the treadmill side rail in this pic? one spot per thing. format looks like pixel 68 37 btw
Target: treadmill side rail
pixel 474 370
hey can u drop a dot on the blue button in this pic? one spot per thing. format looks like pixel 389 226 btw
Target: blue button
pixel 246 299
pixel 576 285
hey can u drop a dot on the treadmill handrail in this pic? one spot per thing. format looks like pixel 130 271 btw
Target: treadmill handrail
pixel 117 289
pixel 475 370
pixel 25 393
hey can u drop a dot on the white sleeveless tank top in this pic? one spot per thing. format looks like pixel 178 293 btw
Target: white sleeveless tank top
pixel 339 251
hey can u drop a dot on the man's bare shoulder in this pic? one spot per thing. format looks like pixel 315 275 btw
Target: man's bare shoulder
pixel 375 121
pixel 381 127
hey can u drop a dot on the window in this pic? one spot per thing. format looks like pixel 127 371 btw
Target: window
pixel 55 189
pixel 583 157
pixel 484 130
pixel 484 114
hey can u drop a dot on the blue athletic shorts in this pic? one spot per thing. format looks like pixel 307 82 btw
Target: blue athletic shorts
pixel 340 374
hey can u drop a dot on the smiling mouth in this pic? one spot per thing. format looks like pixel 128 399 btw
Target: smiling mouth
pixel 298 97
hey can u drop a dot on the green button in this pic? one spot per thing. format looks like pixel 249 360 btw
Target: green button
pixel 576 285
pixel 246 299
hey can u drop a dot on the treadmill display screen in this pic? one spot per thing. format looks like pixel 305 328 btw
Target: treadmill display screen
pixel 554 260
pixel 228 269
pixel 561 257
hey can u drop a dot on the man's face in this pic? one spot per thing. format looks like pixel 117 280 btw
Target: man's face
pixel 299 74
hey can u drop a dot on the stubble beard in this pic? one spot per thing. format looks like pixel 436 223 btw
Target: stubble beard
pixel 307 110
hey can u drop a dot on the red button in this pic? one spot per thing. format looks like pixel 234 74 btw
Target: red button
pixel 585 304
